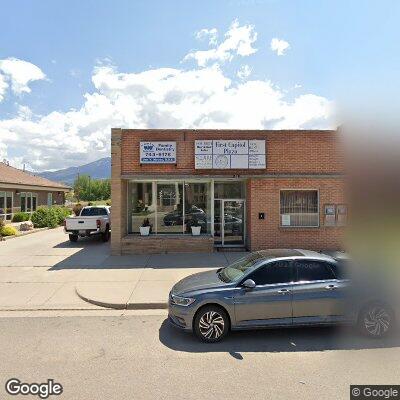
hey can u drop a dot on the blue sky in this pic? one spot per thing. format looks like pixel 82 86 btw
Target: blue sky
pixel 338 51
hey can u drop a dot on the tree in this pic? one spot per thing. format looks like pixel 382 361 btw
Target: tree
pixel 88 189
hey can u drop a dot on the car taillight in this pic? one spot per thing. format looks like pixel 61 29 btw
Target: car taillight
pixel 98 222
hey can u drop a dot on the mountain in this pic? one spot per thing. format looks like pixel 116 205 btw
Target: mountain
pixel 100 169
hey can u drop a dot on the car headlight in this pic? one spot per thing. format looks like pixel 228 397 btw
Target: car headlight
pixel 181 301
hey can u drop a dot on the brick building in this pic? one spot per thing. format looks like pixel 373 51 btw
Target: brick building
pixel 23 191
pixel 246 189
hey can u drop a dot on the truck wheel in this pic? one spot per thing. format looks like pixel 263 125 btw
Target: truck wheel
pixel 73 238
pixel 105 237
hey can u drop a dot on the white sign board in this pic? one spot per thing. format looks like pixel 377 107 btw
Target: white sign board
pixel 157 152
pixel 230 154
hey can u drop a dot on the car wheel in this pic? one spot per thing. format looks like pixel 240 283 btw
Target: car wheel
pixel 376 320
pixel 73 238
pixel 105 237
pixel 211 324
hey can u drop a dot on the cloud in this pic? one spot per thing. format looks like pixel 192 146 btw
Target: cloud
pixel 3 86
pixel 19 74
pixel 211 34
pixel 238 41
pixel 244 72
pixel 177 98
pixel 279 46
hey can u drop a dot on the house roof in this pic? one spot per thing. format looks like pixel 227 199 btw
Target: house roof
pixel 15 176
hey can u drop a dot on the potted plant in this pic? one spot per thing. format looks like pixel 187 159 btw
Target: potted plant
pixel 196 228
pixel 145 228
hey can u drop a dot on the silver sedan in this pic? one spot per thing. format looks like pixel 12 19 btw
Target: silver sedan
pixel 276 288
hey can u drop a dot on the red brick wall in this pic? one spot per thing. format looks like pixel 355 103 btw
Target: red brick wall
pixel 317 154
pixel 263 195
pixel 287 151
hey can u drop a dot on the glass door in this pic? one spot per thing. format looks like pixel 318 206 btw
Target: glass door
pixel 229 222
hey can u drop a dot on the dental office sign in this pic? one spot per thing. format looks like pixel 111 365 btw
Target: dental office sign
pixel 230 154
pixel 157 152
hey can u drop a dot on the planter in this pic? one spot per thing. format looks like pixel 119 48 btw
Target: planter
pixel 196 230
pixel 144 230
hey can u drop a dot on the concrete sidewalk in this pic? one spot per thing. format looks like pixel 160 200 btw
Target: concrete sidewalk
pixel 44 271
pixel 38 288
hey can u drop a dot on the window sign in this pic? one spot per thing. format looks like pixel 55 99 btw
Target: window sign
pixel 157 152
pixel 230 154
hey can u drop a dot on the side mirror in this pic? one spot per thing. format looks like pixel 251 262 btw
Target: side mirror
pixel 249 284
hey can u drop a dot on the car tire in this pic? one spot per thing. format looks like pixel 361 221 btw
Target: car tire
pixel 105 237
pixel 73 238
pixel 376 320
pixel 211 324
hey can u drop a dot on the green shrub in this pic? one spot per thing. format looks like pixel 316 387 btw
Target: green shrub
pixel 62 213
pixel 8 230
pixel 39 218
pixel 49 217
pixel 20 217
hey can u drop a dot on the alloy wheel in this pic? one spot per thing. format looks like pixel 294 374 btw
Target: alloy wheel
pixel 377 321
pixel 211 325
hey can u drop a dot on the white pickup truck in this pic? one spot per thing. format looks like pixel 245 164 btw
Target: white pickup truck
pixel 94 220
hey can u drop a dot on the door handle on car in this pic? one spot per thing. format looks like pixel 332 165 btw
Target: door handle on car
pixel 284 291
pixel 331 287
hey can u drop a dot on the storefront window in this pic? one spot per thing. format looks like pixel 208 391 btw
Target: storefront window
pixel 198 206
pixel 169 208
pixel 141 206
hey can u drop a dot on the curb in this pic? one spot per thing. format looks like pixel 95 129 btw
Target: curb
pixel 123 306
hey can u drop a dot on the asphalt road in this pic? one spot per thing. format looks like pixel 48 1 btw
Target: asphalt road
pixel 140 356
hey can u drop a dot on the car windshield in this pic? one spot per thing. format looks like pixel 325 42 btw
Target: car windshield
pixel 93 211
pixel 235 271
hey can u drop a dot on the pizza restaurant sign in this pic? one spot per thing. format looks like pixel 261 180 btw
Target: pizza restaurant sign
pixel 157 152
pixel 230 154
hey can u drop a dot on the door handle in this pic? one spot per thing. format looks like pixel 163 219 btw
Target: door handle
pixel 284 291
pixel 331 287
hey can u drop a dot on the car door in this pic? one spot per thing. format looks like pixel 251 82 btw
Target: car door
pixel 318 296
pixel 270 302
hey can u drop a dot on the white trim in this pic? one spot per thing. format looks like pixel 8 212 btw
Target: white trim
pixel 32 187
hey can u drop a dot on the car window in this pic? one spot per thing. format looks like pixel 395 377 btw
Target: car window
pixel 340 269
pixel 93 212
pixel 237 269
pixel 310 270
pixel 275 272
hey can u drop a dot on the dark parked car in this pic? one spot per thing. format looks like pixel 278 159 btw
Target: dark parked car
pixel 276 288
pixel 176 218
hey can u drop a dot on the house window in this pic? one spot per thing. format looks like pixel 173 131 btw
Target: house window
pixel 49 199
pixel 299 208
pixel 6 205
pixel 28 202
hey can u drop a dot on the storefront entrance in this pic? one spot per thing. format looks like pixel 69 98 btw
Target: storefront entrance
pixel 229 223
